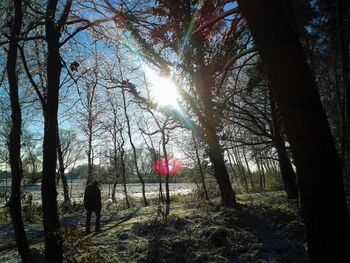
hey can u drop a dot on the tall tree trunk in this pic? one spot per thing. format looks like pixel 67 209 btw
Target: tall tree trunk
pixel 248 169
pixel 123 170
pixel 263 170
pixel 155 159
pixel 228 197
pixel 319 174
pixel 203 82
pixel 115 156
pixel 53 240
pixel 34 170
pixel 90 151
pixel 114 200
pixel 15 138
pixel 124 180
pixel 260 173
pixel 287 173
pixel 275 169
pixel 235 177
pixel 61 172
pixel 145 202
pixel 200 168
pixel 343 39
pixel 166 160
pixel 241 169
pixel 161 195
pixel 6 188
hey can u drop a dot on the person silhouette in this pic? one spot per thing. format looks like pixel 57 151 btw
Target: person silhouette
pixel 92 203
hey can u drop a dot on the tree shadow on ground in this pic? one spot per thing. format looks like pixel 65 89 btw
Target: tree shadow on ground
pixel 254 233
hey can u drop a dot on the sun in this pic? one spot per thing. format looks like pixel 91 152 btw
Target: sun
pixel 163 90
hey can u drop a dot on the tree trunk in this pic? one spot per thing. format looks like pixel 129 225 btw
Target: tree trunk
pixel 124 180
pixel 343 38
pixel 6 188
pixel 53 240
pixel 114 200
pixel 231 162
pixel 115 158
pixel 61 172
pixel 166 160
pixel 123 170
pixel 228 197
pixel 248 169
pixel 319 174
pixel 260 173
pixel 241 169
pixel 34 169
pixel 90 151
pixel 287 173
pixel 155 158
pixel 145 202
pixel 200 169
pixel 14 203
pixel 263 170
pixel 204 81
pixel 161 196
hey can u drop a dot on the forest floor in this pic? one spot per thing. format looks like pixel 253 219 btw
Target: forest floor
pixel 266 228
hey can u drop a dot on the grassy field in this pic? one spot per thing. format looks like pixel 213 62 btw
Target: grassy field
pixel 266 228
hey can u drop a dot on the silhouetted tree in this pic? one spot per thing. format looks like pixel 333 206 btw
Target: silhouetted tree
pixel 15 135
pixel 305 123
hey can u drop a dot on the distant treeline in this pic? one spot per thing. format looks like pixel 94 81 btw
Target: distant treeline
pixel 240 176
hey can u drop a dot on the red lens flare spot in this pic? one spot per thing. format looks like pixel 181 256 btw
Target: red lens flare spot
pixel 160 166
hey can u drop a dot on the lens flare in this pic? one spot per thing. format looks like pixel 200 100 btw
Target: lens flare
pixel 174 166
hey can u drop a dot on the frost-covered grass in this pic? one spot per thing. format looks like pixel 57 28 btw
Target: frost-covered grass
pixel 258 232
pixel 265 229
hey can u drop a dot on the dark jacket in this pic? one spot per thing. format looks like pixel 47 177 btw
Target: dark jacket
pixel 92 197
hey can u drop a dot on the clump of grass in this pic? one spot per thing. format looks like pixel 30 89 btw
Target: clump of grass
pixel 4 215
pixel 81 249
pixel 31 210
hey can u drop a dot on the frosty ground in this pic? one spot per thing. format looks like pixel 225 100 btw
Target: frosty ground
pixel 266 228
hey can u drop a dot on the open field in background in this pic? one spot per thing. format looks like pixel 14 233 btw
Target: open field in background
pixel 77 187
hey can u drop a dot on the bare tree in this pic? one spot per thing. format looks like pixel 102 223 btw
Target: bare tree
pixel 145 202
pixel 115 128
pixel 31 155
pixel 92 110
pixel 155 157
pixel 64 151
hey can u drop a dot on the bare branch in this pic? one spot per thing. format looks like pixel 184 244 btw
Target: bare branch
pixel 214 20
